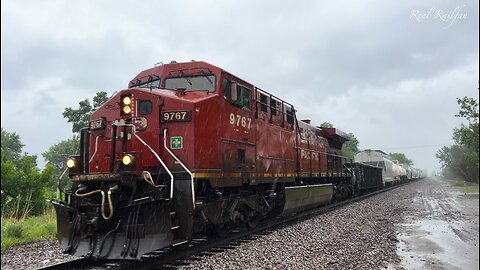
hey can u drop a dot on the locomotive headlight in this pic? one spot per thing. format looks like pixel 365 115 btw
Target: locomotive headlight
pixel 71 163
pixel 127 100
pixel 126 105
pixel 126 109
pixel 128 159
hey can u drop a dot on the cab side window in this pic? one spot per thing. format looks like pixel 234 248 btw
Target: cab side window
pixel 226 88
pixel 245 94
pixel 237 94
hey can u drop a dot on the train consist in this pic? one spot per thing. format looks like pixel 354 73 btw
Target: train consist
pixel 392 171
pixel 190 149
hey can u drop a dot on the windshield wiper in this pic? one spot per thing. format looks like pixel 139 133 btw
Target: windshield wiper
pixel 186 78
pixel 206 76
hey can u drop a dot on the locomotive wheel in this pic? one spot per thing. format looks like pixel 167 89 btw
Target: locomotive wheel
pixel 252 222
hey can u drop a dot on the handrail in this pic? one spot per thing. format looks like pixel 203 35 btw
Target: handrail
pixel 59 188
pixel 96 146
pixel 181 163
pixel 265 92
pixel 155 154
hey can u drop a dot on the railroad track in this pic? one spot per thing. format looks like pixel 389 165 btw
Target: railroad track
pixel 166 257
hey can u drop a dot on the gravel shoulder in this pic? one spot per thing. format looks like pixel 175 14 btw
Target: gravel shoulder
pixel 33 256
pixel 387 231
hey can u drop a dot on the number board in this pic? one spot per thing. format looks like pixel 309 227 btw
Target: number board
pixel 97 124
pixel 176 116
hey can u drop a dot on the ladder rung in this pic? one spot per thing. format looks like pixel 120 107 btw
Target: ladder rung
pixel 141 199
pixel 180 242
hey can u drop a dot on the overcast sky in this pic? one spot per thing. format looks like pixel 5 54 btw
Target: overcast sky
pixel 386 71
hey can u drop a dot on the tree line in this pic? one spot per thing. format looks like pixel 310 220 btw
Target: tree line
pixel 25 188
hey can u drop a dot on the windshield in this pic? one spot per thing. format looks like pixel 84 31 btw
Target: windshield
pixel 149 84
pixel 189 83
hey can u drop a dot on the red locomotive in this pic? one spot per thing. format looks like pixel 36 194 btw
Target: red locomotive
pixel 187 148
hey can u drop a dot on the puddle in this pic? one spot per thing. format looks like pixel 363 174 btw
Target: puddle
pixel 436 244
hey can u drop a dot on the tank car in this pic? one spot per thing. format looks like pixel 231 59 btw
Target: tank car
pixel 399 173
pixel 408 171
pixel 189 148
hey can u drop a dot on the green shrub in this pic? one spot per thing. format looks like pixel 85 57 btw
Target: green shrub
pixel 14 230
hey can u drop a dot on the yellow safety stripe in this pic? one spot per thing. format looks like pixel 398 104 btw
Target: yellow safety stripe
pixel 260 175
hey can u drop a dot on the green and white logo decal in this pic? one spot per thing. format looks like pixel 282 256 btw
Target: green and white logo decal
pixel 176 142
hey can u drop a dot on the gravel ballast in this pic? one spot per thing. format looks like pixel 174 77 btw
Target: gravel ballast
pixel 362 235
pixel 33 256
pixel 357 236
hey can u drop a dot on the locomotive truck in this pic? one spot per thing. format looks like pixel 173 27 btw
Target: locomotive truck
pixel 187 149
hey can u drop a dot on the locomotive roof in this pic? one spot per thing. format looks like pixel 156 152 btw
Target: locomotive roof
pixel 161 69
pixel 371 150
pixel 335 134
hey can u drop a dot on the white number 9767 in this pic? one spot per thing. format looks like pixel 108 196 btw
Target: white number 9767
pixel 238 120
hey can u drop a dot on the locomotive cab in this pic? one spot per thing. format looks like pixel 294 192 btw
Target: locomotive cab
pixel 133 182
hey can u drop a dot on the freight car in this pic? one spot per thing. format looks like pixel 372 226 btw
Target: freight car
pixel 393 173
pixel 189 148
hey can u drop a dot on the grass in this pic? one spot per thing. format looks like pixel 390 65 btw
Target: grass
pixel 467 187
pixel 471 189
pixel 32 229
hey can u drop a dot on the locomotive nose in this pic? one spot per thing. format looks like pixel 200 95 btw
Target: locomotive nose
pixel 121 133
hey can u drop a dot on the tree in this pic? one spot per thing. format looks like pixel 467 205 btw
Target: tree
pixel 350 148
pixel 11 146
pixel 56 156
pixel 80 117
pixel 401 158
pixel 326 125
pixel 458 160
pixel 462 158
pixel 468 135
pixel 58 153
pixel 24 188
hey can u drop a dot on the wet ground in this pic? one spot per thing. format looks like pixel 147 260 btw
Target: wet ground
pixel 427 224
pixel 441 230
